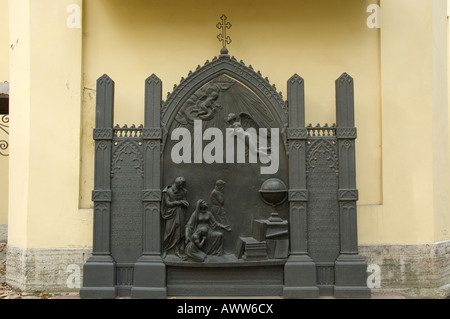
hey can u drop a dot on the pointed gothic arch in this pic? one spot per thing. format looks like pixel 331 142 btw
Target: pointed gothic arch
pixel 224 65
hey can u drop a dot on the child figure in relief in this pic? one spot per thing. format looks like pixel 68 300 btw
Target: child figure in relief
pixel 194 247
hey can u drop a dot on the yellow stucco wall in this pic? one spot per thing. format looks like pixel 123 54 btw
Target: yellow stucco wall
pixel 4 77
pixel 45 128
pixel 414 113
pixel 4 41
pixel 400 97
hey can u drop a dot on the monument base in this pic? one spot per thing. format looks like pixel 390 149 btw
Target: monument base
pixel 98 293
pixel 224 276
pixel 217 280
pixel 148 293
pixel 351 277
pixel 99 278
pixel 149 278
pixel 352 292
pixel 300 277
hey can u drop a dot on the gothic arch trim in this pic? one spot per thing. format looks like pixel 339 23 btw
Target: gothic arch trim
pixel 224 65
pixel 127 147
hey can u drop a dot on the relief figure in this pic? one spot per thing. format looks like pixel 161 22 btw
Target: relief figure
pixel 174 205
pixel 213 241
pixel 241 126
pixel 203 104
pixel 194 246
pixel 217 202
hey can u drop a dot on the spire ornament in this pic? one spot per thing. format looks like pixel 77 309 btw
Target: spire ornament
pixel 223 26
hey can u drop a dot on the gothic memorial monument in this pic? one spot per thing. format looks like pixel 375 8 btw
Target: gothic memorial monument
pixel 225 191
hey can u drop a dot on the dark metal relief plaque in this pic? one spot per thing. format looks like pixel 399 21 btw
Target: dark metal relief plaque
pixel 228 185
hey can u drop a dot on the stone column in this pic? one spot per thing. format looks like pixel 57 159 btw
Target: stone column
pixel 150 271
pixel 99 270
pixel 350 268
pixel 299 270
pixel 414 90
pixel 44 143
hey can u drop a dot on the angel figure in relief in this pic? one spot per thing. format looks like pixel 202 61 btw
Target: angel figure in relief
pixel 240 127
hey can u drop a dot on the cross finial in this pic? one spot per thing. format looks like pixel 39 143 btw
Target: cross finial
pixel 224 25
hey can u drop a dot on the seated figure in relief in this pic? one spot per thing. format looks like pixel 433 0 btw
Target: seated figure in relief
pixel 202 223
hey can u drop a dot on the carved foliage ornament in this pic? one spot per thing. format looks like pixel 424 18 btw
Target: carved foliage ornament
pixel 322 150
